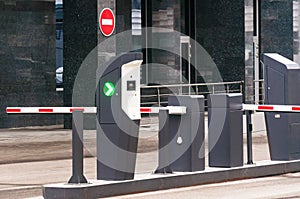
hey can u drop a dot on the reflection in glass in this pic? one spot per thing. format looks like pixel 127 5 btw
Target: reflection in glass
pixel 296 22
pixel 249 51
pixel 166 14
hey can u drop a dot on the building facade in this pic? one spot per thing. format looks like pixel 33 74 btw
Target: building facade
pixel 234 34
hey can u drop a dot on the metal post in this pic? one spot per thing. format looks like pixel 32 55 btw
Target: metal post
pixel 256 42
pixel 249 137
pixel 158 96
pixel 163 140
pixel 77 148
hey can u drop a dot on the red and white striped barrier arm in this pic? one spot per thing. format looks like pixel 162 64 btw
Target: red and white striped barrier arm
pixel 271 108
pixel 173 110
pixel 57 110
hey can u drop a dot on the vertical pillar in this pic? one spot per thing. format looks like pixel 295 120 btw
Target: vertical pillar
pixel 77 148
pixel 187 151
pixel 163 141
pixel 181 137
pixel 249 137
pixel 225 132
pixel 79 39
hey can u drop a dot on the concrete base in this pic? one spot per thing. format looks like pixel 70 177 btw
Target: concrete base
pixel 155 182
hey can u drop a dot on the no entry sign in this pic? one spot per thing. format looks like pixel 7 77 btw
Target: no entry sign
pixel 107 22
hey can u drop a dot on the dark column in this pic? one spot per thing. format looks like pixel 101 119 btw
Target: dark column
pixel 77 149
pixel 80 38
pixel 220 30
pixel 276 27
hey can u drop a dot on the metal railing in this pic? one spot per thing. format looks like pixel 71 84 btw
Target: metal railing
pixel 158 94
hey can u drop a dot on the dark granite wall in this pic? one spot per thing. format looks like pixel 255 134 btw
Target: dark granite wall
pixel 220 30
pixel 27 61
pixel 123 10
pixel 276 27
pixel 80 38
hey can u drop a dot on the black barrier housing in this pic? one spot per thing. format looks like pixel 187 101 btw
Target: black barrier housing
pixel 117 134
pixel 188 156
pixel 282 80
pixel 225 142
pixel 190 127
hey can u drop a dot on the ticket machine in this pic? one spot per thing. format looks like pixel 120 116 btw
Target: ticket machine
pixel 118 115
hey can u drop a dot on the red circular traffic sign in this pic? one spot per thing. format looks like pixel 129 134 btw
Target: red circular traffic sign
pixel 107 22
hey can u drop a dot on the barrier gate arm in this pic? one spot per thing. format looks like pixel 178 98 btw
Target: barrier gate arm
pixel 173 110
pixel 271 108
pixel 47 110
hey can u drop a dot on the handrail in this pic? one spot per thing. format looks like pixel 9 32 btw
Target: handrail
pixel 197 84
pixel 158 96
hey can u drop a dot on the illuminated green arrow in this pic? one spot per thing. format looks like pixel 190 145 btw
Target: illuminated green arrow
pixel 109 89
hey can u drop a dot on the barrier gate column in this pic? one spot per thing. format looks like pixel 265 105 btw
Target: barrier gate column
pixel 187 151
pixel 118 114
pixel 282 79
pixel 225 130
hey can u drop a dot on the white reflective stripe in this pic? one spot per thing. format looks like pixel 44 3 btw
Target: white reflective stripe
pixel 90 110
pixel 250 107
pixel 173 110
pixel 283 108
pixel 107 22
pixel 177 110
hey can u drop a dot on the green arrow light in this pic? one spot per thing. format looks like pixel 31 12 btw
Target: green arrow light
pixel 109 89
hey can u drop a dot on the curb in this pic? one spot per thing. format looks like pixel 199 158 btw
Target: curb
pixel 100 189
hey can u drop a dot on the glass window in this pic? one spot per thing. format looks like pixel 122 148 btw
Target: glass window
pixel 249 51
pixel 169 16
pixel 296 18
pixel 59 43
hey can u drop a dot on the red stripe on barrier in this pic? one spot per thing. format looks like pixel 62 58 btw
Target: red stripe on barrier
pixel 13 110
pixel 146 110
pixel 45 110
pixel 76 109
pixel 265 108
pixel 296 108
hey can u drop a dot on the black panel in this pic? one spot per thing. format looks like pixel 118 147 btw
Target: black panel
pixel 106 115
pixel 80 38
pixel 220 30
pixel 276 27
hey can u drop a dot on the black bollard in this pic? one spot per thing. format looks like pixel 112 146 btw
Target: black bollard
pixel 249 137
pixel 77 148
